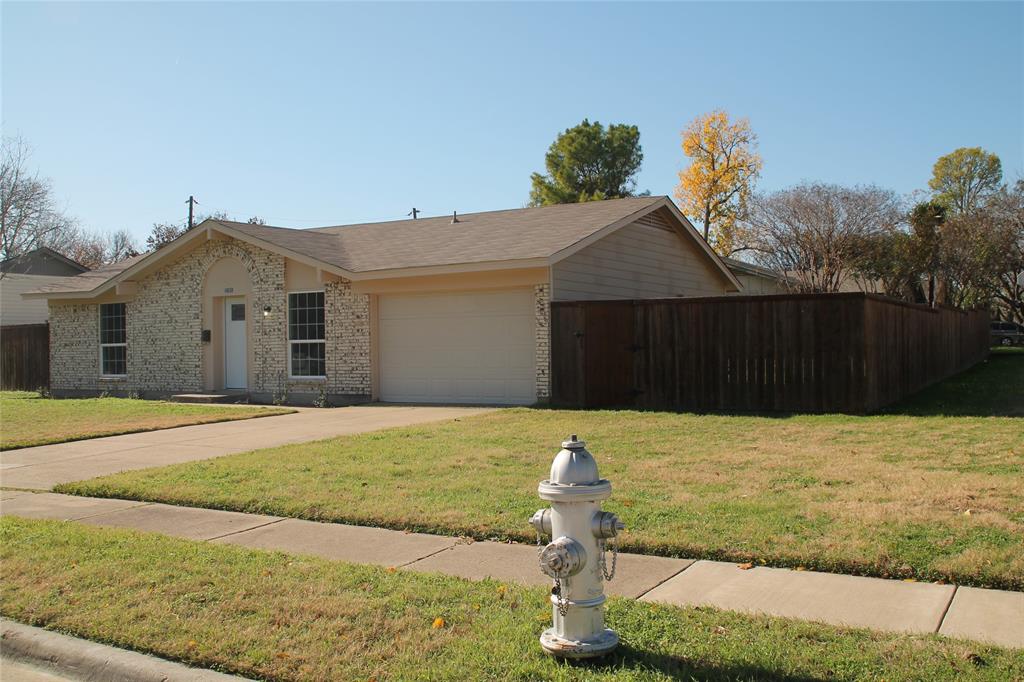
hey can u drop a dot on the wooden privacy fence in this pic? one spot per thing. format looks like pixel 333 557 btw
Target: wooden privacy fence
pixel 852 353
pixel 24 357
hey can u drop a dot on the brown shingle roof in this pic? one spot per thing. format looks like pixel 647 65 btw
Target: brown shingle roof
pixel 491 236
pixel 513 234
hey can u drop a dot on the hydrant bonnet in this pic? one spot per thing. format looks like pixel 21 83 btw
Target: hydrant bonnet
pixel 573 465
pixel 574 475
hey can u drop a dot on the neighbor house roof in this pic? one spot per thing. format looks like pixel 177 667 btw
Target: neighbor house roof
pixel 525 237
pixel 749 268
pixel 25 262
pixel 91 279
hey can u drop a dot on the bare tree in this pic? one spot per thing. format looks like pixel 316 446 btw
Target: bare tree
pixel 121 245
pixel 95 249
pixel 980 258
pixel 163 234
pixel 814 232
pixel 28 217
pixel 1008 207
pixel 86 248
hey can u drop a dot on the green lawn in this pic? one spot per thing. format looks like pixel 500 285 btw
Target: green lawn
pixel 26 419
pixel 279 617
pixel 912 494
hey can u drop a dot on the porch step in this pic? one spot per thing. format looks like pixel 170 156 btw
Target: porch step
pixel 208 397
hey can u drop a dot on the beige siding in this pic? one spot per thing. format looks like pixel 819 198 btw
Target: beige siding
pixel 638 261
pixel 17 310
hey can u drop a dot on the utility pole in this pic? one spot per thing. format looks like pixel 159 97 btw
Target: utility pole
pixel 191 204
pixel 414 212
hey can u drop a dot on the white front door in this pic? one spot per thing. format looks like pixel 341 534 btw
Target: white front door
pixel 234 343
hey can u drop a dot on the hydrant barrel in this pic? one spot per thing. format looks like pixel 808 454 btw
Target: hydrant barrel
pixel 574 559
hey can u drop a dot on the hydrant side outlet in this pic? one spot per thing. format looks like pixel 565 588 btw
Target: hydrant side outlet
pixel 575 559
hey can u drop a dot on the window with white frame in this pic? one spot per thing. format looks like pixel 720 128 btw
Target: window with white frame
pixel 306 339
pixel 113 340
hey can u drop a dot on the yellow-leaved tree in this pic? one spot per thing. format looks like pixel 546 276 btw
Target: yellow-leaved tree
pixel 714 188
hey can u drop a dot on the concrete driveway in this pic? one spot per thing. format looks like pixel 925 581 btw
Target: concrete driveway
pixel 43 467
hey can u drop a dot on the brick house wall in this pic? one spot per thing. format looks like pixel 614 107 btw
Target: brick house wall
pixel 164 333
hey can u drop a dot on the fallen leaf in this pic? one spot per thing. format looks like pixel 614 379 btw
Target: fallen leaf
pixel 438 623
pixel 967 513
pixel 391 569
pixel 746 567
pixel 283 654
pixel 502 590
pixel 192 644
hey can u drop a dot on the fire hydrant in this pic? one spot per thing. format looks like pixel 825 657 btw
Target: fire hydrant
pixel 575 558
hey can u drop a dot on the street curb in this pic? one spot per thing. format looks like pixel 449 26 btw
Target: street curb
pixel 84 660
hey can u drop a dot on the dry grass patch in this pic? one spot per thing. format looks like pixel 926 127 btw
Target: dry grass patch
pixel 911 495
pixel 279 617
pixel 27 420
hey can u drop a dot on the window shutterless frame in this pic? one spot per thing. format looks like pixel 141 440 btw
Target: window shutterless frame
pixel 307 342
pixel 113 340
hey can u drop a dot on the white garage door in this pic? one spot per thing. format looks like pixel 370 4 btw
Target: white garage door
pixel 474 347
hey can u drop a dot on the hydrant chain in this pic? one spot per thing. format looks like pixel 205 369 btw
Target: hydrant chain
pixel 560 601
pixel 608 575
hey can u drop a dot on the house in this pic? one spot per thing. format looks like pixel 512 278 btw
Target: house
pixel 756 280
pixel 450 309
pixel 28 272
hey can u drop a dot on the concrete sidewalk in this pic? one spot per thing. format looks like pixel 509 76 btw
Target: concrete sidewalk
pixel 41 468
pixel 994 616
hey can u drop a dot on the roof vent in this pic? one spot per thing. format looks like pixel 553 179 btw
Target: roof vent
pixel 455 217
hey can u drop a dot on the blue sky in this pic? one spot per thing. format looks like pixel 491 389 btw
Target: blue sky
pixel 321 113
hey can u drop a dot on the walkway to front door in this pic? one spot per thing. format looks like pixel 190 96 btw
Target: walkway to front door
pixel 43 467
